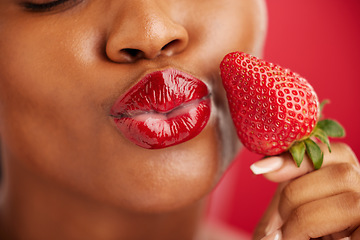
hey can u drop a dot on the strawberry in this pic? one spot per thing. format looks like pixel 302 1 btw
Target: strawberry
pixel 274 109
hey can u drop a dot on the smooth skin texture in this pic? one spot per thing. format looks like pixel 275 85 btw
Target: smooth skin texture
pixel 68 173
pixel 321 204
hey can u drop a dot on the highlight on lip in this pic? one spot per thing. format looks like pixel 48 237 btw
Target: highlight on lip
pixel 165 108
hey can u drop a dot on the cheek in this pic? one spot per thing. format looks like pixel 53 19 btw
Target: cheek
pixel 47 105
pixel 232 25
pixel 45 77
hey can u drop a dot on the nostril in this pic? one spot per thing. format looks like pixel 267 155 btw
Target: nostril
pixel 169 47
pixel 131 54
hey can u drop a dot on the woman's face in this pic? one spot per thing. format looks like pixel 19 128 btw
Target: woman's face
pixel 64 66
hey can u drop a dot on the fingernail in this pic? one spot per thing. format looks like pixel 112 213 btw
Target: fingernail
pixel 273 236
pixel 267 165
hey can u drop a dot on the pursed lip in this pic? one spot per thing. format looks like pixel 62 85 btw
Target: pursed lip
pixel 163 109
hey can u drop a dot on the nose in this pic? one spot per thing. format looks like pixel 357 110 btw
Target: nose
pixel 144 29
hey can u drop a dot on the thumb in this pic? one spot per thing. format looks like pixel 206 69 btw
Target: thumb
pixel 271 220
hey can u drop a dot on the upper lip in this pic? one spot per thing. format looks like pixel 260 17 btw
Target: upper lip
pixel 161 92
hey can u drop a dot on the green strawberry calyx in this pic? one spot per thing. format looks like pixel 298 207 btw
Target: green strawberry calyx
pixel 323 130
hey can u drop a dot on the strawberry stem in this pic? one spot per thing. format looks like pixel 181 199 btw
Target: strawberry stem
pixel 322 136
pixel 331 127
pixel 323 130
pixel 298 151
pixel 314 152
pixel 322 105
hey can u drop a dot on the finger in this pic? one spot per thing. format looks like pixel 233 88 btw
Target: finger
pixel 282 168
pixel 314 220
pixel 356 234
pixel 265 228
pixel 331 180
pixel 271 220
pixel 289 170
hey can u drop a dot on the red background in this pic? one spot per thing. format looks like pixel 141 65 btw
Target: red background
pixel 320 39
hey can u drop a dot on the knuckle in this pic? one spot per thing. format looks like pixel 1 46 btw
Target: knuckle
pixel 352 200
pixel 347 175
pixel 287 193
pixel 302 221
pixel 287 196
pixel 298 216
pixel 346 152
pixel 342 170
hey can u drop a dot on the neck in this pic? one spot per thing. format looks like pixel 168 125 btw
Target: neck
pixel 35 209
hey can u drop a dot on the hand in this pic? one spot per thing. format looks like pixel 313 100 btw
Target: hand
pixel 322 204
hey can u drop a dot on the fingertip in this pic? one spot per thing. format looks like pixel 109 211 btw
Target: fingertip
pixel 281 168
pixel 289 170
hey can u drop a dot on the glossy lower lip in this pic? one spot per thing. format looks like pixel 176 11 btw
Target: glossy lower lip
pixel 165 108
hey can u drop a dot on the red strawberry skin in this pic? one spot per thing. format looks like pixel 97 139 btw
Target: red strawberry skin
pixel 271 107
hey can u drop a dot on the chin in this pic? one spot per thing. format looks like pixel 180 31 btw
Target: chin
pixel 185 174
pixel 169 179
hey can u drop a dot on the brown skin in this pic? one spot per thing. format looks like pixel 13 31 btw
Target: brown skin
pixel 322 204
pixel 69 174
pixel 67 171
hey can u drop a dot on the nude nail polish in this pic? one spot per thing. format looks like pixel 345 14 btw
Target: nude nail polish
pixel 267 165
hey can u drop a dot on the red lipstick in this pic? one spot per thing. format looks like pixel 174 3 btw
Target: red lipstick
pixel 165 108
